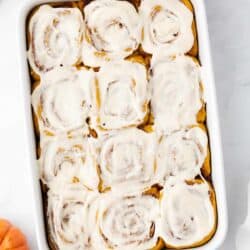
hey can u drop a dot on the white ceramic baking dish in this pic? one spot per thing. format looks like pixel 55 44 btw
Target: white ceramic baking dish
pixel 212 122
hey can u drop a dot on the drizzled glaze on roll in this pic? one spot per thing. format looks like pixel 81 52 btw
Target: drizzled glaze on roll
pixel 127 160
pixel 62 102
pixel 113 31
pixel 182 154
pixel 188 213
pixel 122 88
pixel 67 160
pixel 55 38
pixel 167 26
pixel 127 222
pixel 176 92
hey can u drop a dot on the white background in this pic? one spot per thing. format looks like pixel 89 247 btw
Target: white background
pixel 229 26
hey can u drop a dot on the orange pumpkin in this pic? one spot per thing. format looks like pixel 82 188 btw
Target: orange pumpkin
pixel 11 238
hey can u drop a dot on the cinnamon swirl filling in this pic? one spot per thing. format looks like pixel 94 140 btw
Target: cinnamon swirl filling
pixel 63 100
pixel 127 160
pixel 127 222
pixel 69 161
pixel 55 38
pixel 123 94
pixel 66 212
pixel 112 31
pixel 176 82
pixel 182 154
pixel 188 213
pixel 167 26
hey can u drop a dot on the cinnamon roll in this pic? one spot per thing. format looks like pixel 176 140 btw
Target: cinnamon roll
pixel 188 214
pixel 112 32
pixel 176 82
pixel 69 161
pixel 182 154
pixel 119 116
pixel 127 222
pixel 62 102
pixel 123 94
pixel 66 212
pixel 127 160
pixel 55 38
pixel 167 26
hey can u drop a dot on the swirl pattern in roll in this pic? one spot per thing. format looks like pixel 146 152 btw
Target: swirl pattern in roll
pixel 167 26
pixel 113 31
pixel 176 82
pixel 182 153
pixel 127 222
pixel 69 161
pixel 66 212
pixel 188 214
pixel 123 94
pixel 55 38
pixel 62 102
pixel 127 160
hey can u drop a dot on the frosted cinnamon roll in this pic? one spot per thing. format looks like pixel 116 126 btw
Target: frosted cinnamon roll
pixel 122 94
pixel 112 32
pixel 188 214
pixel 62 102
pixel 55 38
pixel 69 161
pixel 182 154
pixel 127 222
pixel 176 92
pixel 66 212
pixel 167 26
pixel 127 160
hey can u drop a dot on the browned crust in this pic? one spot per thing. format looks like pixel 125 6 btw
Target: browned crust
pixel 160 245
pixel 144 58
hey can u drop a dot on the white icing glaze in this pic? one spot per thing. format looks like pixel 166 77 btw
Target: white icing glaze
pixel 67 160
pixel 112 31
pixel 127 222
pixel 64 96
pixel 91 219
pixel 55 37
pixel 167 26
pixel 122 218
pixel 127 160
pixel 187 214
pixel 176 92
pixel 182 153
pixel 66 212
pixel 123 90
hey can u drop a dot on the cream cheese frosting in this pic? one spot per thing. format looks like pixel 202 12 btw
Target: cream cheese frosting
pixel 123 94
pixel 113 31
pixel 67 161
pixel 66 211
pixel 182 154
pixel 176 92
pixel 127 160
pixel 55 38
pixel 188 215
pixel 117 103
pixel 167 26
pixel 62 101
pixel 127 222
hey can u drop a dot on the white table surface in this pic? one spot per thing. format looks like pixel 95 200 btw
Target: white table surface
pixel 229 27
